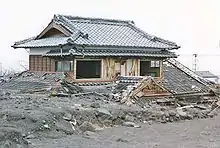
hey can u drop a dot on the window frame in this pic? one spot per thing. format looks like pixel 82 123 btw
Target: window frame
pixel 62 66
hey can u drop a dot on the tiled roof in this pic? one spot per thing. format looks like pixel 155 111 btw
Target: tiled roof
pixel 176 80
pixel 49 42
pixel 100 32
pixel 118 52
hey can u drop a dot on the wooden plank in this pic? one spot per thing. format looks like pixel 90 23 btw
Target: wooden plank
pixel 52 68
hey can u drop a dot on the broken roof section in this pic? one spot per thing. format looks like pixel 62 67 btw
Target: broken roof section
pixel 177 80
pixel 95 32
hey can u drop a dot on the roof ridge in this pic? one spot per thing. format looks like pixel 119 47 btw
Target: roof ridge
pixel 153 37
pixel 66 22
pixel 96 19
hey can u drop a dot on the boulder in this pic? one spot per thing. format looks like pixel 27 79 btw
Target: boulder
pixel 129 118
pixel 131 124
pixel 103 112
pixel 87 126
pixel 95 105
pixel 67 117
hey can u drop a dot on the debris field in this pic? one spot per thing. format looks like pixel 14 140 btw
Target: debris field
pixel 37 106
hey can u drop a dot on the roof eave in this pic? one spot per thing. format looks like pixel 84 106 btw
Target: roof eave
pixel 117 46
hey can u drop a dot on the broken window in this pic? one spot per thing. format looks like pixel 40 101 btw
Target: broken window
pixel 88 69
pixel 150 68
pixel 64 66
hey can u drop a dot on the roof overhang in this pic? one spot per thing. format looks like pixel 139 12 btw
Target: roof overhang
pixel 110 53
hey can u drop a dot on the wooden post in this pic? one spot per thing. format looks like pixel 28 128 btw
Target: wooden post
pixel 74 68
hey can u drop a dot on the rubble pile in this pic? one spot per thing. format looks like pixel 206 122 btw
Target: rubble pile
pixel 36 105
pixel 40 115
pixel 28 82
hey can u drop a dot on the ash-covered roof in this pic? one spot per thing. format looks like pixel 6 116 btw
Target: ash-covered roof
pixel 99 32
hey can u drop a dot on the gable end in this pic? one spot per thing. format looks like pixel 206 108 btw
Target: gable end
pixel 53 29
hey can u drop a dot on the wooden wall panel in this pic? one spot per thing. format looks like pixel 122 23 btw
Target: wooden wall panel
pixel 44 64
pixel 48 64
pixel 52 68
pixel 39 63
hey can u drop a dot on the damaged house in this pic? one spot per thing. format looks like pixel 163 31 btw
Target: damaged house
pixel 91 49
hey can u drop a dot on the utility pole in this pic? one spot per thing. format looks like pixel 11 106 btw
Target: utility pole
pixel 194 66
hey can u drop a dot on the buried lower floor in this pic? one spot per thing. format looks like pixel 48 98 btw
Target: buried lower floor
pixel 102 68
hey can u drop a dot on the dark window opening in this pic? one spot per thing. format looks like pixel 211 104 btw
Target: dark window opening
pixel 88 69
pixel 64 66
pixel 150 68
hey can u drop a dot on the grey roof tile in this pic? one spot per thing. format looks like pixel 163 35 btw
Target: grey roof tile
pixel 101 32
pixel 49 42
pixel 178 81
pixel 174 79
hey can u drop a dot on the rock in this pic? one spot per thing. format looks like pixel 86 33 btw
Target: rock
pixel 163 121
pixel 67 117
pixel 31 136
pixel 190 117
pixel 46 126
pixel 150 122
pixel 87 126
pixel 181 113
pixel 7 93
pixel 65 127
pixel 211 114
pixel 23 135
pixel 172 113
pixel 103 112
pixel 129 118
pixel 121 140
pixel 171 119
pixel 95 105
pixel 90 135
pixel 131 124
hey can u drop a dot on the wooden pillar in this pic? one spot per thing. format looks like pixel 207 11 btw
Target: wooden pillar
pixel 138 67
pixel 103 68
pixel 74 68
pixel 161 69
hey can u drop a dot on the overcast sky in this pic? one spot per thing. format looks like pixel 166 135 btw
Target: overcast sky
pixel 192 24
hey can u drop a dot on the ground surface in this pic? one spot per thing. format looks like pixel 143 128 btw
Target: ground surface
pixel 185 134
pixel 26 116
pixel 30 118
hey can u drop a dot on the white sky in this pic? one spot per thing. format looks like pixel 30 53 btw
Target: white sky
pixel 192 24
